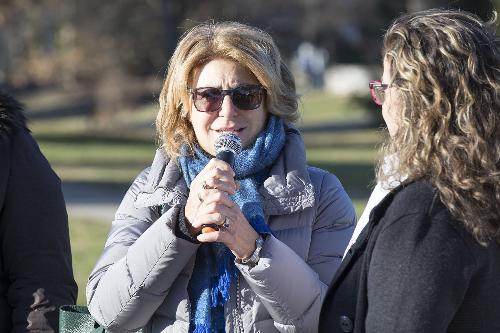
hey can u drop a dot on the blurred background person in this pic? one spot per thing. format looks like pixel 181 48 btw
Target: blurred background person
pixel 36 276
pixel 429 258
pixel 279 226
pixel 312 62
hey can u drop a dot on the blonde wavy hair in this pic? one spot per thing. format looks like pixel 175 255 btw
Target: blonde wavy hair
pixel 250 47
pixel 446 67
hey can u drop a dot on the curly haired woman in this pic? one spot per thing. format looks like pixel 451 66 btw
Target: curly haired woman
pixel 428 260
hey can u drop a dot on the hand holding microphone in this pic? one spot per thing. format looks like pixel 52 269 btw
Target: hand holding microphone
pixel 227 146
pixel 211 210
pixel 209 198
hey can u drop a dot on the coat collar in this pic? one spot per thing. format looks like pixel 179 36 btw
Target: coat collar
pixel 287 190
pixel 164 183
pixel 358 248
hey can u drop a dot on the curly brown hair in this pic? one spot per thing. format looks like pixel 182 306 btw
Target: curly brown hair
pixel 249 46
pixel 446 67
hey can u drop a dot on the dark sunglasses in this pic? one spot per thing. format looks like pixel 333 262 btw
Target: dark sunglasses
pixel 209 99
pixel 377 90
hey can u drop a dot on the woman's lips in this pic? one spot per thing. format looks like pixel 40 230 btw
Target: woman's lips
pixel 233 130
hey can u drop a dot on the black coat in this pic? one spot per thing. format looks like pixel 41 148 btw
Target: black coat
pixel 415 269
pixel 36 276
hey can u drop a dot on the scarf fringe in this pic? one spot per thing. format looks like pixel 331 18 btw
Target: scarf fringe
pixel 202 328
pixel 220 288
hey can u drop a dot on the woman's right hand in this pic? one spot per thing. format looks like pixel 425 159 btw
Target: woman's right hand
pixel 215 180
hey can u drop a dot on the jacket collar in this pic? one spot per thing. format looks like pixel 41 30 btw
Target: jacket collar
pixel 358 248
pixel 287 190
pixel 164 184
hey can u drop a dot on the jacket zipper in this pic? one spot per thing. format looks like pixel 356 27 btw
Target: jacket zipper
pixel 238 325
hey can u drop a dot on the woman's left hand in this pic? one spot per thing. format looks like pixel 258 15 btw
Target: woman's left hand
pixel 237 234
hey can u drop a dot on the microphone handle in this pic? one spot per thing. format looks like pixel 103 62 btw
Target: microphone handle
pixel 226 156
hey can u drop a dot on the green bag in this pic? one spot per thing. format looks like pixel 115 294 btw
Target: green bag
pixel 77 319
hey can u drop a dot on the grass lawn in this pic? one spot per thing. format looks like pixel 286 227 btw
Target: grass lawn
pixel 87 242
pixel 318 107
pixel 80 151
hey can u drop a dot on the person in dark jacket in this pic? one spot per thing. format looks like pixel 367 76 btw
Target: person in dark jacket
pixel 36 275
pixel 428 259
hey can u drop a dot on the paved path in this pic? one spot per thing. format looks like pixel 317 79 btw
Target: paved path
pixel 94 201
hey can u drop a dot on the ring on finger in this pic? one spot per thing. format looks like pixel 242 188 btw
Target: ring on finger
pixel 199 197
pixel 226 223
pixel 205 186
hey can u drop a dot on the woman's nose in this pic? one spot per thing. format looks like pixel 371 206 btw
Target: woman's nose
pixel 227 108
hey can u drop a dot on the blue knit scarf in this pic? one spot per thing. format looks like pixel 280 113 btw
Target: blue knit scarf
pixel 214 268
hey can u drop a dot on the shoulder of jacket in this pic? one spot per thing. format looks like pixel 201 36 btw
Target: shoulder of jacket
pixel 417 209
pixel 316 173
pixel 415 197
pixel 142 177
pixel 320 177
pixel 11 116
pixel 408 199
pixel 420 202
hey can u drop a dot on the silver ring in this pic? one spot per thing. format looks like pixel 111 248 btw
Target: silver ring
pixel 226 223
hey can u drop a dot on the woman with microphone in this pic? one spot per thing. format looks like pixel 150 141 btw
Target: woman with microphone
pixel 199 245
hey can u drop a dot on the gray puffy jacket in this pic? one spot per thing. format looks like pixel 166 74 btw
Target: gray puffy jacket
pixel 142 276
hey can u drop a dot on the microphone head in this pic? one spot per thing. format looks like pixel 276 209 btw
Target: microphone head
pixel 228 142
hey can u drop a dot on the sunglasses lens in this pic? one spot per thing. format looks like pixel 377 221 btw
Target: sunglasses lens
pixel 247 98
pixel 207 99
pixel 244 98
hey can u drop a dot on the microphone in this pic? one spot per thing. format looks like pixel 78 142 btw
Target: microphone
pixel 227 146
